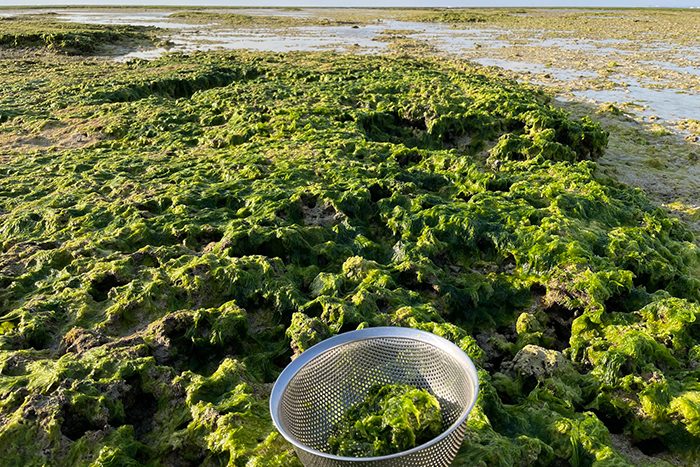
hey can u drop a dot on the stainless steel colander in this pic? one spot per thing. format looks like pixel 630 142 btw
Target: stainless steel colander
pixel 316 389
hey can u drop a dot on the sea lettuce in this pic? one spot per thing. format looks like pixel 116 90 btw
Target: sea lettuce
pixel 390 419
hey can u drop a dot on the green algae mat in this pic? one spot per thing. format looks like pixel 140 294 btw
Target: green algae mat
pixel 31 31
pixel 390 419
pixel 173 232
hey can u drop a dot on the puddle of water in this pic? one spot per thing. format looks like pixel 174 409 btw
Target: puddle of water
pixel 268 12
pixel 666 104
pixel 561 74
pixel 363 35
pixel 148 54
pixel 448 39
pixel 615 46
pixel 691 70
pixel 681 52
pixel 301 38
pixel 365 38
pixel 598 47
pixel 153 19
pixel 291 39
pixel 460 41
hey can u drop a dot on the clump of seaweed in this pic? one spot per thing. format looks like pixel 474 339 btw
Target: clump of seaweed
pixel 391 418
pixel 69 38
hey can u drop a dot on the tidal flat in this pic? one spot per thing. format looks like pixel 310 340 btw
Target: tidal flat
pixel 643 64
pixel 179 219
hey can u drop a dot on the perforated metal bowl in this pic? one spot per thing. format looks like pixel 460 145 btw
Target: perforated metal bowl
pixel 317 388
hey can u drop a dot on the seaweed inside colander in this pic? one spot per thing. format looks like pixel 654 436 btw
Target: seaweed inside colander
pixel 392 418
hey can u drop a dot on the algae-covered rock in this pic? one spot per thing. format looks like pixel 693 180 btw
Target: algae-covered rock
pixel 539 362
pixel 391 418
pixel 528 323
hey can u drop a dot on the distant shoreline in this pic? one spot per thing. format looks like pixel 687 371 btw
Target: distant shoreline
pixel 338 4
pixel 22 6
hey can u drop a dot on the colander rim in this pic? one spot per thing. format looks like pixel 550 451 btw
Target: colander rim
pixel 363 334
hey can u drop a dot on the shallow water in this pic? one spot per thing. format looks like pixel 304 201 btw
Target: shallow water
pixel 691 70
pixel 152 19
pixel 309 38
pixel 259 40
pixel 159 19
pixel 667 104
pixel 562 74
pixel 271 12
pixel 598 47
pixel 456 41
pixel 362 38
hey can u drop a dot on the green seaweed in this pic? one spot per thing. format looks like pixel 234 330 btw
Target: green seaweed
pixel 228 210
pixel 68 38
pixel 391 418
